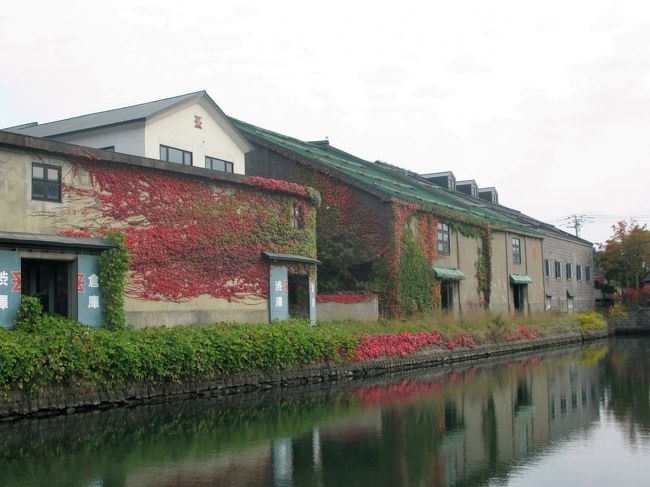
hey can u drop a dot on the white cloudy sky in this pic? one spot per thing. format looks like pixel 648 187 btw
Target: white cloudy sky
pixel 548 101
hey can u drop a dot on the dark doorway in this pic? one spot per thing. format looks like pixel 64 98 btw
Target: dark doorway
pixel 518 296
pixel 447 295
pixel 298 296
pixel 49 281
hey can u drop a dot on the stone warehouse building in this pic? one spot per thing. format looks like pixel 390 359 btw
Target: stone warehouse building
pixel 206 245
pixel 375 215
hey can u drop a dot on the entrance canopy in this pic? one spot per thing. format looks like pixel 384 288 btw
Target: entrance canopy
pixel 301 259
pixel 448 273
pixel 520 279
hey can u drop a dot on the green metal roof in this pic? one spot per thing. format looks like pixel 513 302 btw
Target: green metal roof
pixel 386 179
pixel 290 258
pixel 520 279
pixel 448 273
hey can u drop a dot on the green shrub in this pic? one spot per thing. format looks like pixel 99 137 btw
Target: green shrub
pixel 113 267
pixel 64 351
pixel 29 314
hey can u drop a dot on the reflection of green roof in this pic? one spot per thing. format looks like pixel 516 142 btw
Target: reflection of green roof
pixel 381 178
pixel 448 273
pixel 520 279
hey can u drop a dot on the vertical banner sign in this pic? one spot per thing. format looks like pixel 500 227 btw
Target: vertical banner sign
pixel 89 303
pixel 10 285
pixel 312 301
pixel 279 293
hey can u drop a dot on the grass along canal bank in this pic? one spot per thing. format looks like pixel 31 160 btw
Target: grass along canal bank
pixel 50 365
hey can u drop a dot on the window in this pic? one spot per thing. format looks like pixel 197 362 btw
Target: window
pixel 516 250
pixel 447 294
pixel 569 270
pixel 296 216
pixel 443 238
pixel 578 272
pixel 46 182
pixel 587 273
pixel 548 303
pixel 547 268
pixel 177 156
pixel 558 269
pixel 218 164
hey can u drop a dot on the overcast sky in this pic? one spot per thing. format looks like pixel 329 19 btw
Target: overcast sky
pixel 547 101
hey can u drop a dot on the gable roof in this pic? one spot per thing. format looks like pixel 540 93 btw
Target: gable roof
pixel 118 116
pixel 380 178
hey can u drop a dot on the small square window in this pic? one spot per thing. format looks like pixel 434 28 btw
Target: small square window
pixel 46 182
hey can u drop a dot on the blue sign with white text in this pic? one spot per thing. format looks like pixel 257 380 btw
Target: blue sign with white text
pixel 90 308
pixel 10 286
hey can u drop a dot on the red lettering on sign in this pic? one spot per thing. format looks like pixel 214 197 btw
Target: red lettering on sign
pixel 17 281
pixel 286 288
pixel 80 282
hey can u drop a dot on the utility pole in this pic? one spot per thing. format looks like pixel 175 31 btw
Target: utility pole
pixel 576 222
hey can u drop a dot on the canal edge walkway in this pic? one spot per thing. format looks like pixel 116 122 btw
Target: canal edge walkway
pixel 64 399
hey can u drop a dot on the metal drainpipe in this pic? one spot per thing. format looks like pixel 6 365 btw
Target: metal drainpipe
pixel 526 270
pixel 460 304
pixel 507 272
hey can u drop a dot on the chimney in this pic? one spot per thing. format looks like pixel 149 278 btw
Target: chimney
pixel 446 179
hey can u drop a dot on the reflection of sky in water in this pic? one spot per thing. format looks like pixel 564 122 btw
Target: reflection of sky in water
pixel 602 456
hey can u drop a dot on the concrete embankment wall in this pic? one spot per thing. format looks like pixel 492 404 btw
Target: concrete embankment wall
pixel 60 399
pixel 636 320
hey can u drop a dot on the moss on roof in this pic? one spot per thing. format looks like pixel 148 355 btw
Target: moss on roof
pixel 389 180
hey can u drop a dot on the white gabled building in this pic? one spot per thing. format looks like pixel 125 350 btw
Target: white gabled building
pixel 188 129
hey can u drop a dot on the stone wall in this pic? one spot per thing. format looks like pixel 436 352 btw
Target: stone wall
pixel 636 320
pixel 64 399
pixel 367 310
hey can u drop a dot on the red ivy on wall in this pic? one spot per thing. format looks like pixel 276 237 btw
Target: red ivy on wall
pixel 189 237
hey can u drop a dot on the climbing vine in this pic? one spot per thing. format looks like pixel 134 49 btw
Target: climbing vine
pixel 113 269
pixel 187 236
pixel 484 268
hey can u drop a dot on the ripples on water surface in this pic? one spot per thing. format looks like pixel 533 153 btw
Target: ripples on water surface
pixel 576 416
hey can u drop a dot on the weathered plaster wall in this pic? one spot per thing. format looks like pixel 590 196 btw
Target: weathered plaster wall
pixel 463 254
pixel 568 251
pixel 365 311
pixel 503 265
pixel 22 214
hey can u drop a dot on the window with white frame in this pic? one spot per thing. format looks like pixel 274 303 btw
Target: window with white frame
pixel 578 272
pixel 547 268
pixel 558 269
pixel 569 270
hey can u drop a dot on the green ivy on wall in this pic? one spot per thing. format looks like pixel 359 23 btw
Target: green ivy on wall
pixel 414 278
pixel 113 267
pixel 484 268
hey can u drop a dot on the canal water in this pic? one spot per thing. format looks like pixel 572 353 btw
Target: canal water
pixel 572 416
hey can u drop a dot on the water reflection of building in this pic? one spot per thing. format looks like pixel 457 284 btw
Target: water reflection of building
pixel 464 435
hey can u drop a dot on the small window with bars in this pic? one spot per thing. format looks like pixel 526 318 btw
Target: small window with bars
pixel 296 216
pixel 46 182
pixel 443 238
pixel 516 250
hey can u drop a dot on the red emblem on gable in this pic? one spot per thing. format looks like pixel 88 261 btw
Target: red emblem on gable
pixel 198 121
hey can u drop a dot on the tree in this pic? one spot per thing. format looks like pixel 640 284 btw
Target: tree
pixel 625 257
